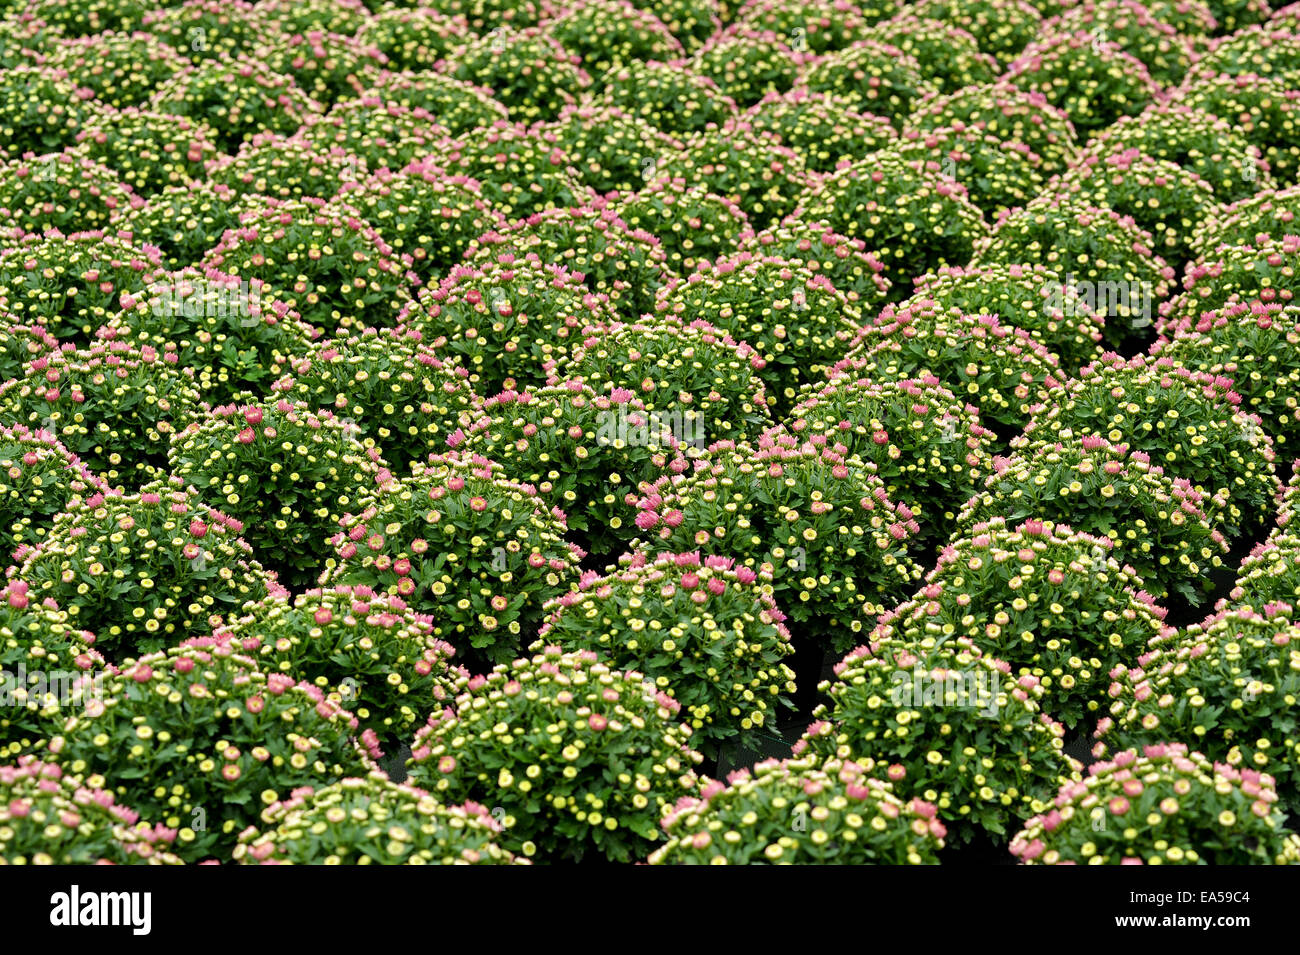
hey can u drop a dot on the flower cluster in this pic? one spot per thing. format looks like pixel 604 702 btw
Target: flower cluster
pixel 378 133
pixel 1029 297
pixel 793 317
pixel 1096 81
pixel 606 34
pixel 911 215
pixel 928 447
pixel 845 261
pixel 372 821
pixel 422 212
pixel 800 812
pixel 1049 601
pixel 368 652
pixel 283 167
pixel 1228 684
pixel 47 666
pixel 1199 141
pixel 199 740
pixel 48 818
pixel 62 190
pixel 144 570
pixel 872 75
pixel 505 324
pixel 945 724
pixel 823 128
pixel 112 405
pixel 704 378
pixel 616 258
pixel 818 518
pixel 237 98
pixel 458 541
pixel 585 453
pixel 1265 109
pixel 1263 268
pixel 39 477
pixel 611 149
pixel 72 283
pixel 229 331
pixel 1165 806
pixel 1139 32
pixel 722 657
pixel 323 260
pixel 41 109
pixel 457 107
pixel 1270 212
pixel 1188 421
pixel 1012 114
pixel 1255 345
pixel 1003 27
pixel 121 69
pixel 582 758
pixel 180 223
pixel 672 98
pixel 148 150
pixel 1003 371
pixel 1161 197
pixel 405 399
pixel 520 170
pixel 689 224
pixel 997 175
pixel 748 64
pixel 763 177
pixel 285 472
pixel 529 72
pixel 327 66
pixel 1160 524
pixel 949 58
pixel 1107 257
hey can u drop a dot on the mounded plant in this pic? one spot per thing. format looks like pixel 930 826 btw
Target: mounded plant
pixel 371 821
pixel 706 632
pixel 366 651
pixel 582 757
pixel 1161 524
pixel 699 375
pixel 945 724
pixel 39 477
pixel 1189 422
pixel 1049 601
pixel 47 666
pixel 506 323
pixel 143 571
pixel 1002 370
pixel 1165 806
pixel 819 519
pixel 1029 297
pixel 1255 345
pixel 846 262
pixel 405 399
pixel 459 541
pixel 72 283
pixel 47 818
pixel 63 190
pixel 112 405
pixel 794 318
pixel 1228 685
pixel 323 260
pixel 800 812
pixel 585 453
pixel 200 741
pixel 286 472
pixel 928 447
